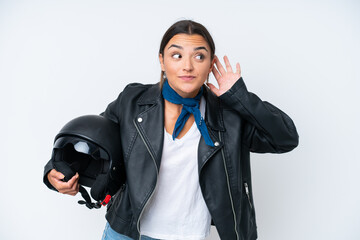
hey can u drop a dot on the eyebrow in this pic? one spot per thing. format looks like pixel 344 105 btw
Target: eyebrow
pixel 195 49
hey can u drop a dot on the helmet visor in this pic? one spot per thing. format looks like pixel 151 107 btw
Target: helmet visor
pixel 83 146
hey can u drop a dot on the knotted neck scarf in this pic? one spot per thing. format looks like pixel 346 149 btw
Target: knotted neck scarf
pixel 190 106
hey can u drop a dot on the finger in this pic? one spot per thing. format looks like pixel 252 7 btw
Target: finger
pixel 219 66
pixel 73 191
pixel 216 74
pixel 76 186
pixel 238 69
pixel 227 64
pixel 55 178
pixel 67 186
pixel 71 187
pixel 73 180
pixel 214 89
pixel 55 174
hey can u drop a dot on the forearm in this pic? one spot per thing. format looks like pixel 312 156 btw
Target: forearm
pixel 268 124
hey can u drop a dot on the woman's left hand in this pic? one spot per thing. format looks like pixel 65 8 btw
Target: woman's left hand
pixel 226 78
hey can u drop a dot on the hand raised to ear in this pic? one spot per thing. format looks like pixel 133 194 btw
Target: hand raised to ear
pixel 226 78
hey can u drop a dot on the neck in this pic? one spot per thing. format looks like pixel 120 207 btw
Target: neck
pixel 172 108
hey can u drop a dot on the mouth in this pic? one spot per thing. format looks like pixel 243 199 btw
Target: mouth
pixel 187 77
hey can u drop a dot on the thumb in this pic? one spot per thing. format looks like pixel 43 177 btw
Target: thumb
pixel 214 89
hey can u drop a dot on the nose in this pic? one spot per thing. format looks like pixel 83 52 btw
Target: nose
pixel 188 65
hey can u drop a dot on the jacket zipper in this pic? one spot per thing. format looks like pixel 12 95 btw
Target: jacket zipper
pixel 121 193
pixel 157 176
pixel 247 193
pixel 228 184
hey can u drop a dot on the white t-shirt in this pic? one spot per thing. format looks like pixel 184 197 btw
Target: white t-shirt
pixel 177 209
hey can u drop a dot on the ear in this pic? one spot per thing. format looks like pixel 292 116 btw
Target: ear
pixel 161 60
pixel 212 64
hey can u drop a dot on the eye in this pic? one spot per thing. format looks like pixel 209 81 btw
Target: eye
pixel 176 56
pixel 200 56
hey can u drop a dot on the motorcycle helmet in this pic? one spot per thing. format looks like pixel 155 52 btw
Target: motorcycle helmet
pixel 90 145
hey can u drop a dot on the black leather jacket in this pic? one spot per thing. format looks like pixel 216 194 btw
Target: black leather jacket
pixel 238 122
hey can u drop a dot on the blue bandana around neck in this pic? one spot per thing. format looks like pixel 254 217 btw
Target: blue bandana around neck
pixel 190 106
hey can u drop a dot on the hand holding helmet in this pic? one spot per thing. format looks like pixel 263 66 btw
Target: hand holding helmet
pixel 87 153
pixel 70 187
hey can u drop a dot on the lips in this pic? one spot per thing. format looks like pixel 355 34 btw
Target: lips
pixel 187 77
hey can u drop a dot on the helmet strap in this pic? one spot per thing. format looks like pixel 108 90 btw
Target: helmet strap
pixel 87 199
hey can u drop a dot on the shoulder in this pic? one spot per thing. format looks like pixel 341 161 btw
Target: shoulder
pixel 135 91
pixel 137 87
pixel 132 96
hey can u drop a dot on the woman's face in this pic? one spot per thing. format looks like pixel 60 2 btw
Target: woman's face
pixel 187 63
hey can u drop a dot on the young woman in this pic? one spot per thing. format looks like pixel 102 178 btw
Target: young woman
pixel 186 146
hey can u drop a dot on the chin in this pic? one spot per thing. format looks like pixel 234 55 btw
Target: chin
pixel 186 89
pixel 189 91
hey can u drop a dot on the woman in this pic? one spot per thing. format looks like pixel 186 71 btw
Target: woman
pixel 187 145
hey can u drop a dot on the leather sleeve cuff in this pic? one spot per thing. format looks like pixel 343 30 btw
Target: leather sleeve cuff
pixel 48 167
pixel 239 87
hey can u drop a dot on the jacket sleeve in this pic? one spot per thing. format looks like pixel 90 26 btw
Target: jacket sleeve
pixel 113 113
pixel 267 128
pixel 48 167
pixel 112 110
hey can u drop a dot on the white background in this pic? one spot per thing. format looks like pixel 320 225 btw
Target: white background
pixel 63 59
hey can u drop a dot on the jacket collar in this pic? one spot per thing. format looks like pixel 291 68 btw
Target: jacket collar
pixel 213 114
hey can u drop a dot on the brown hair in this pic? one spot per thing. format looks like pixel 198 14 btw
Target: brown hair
pixel 187 27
